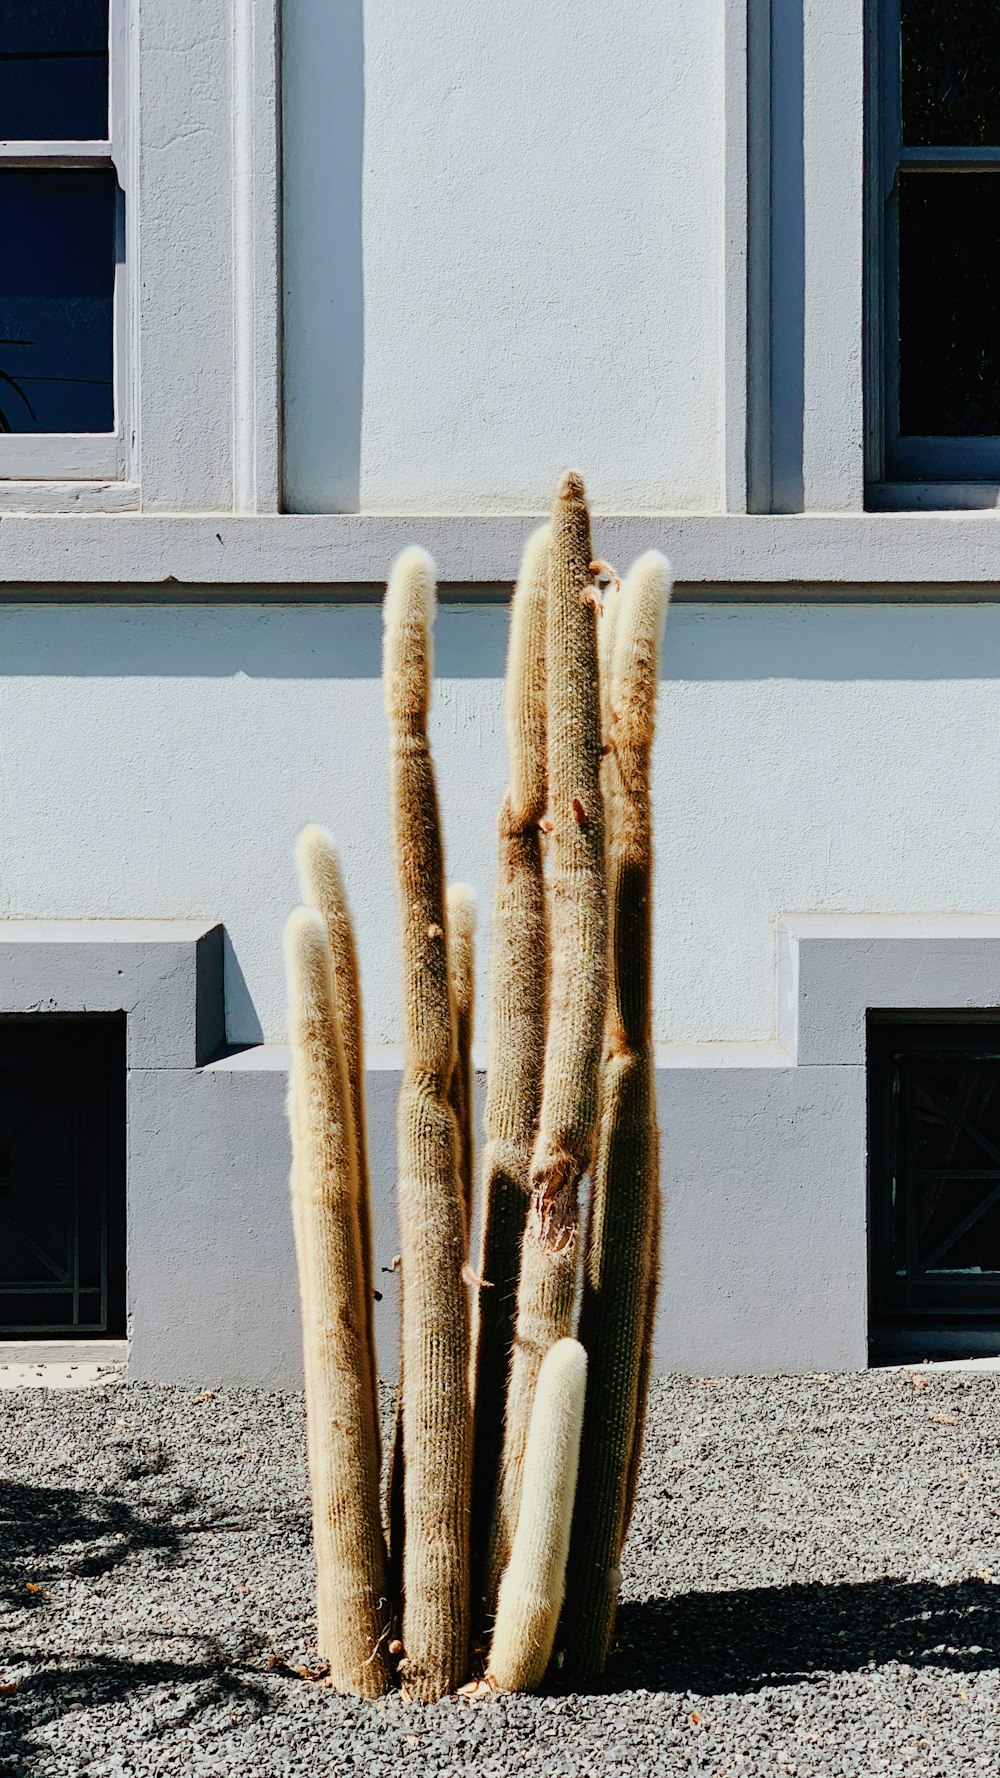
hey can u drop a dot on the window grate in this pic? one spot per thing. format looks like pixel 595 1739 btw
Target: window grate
pixel 934 1169
pixel 62 1175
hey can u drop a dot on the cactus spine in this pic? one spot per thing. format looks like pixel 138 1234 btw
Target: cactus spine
pixel 578 938
pixel 517 1021
pixel 620 1259
pixel 435 1322
pixel 461 946
pixel 343 1456
pixel 531 1592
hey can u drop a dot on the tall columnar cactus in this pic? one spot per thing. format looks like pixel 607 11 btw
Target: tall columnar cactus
pixel 620 1262
pixel 322 888
pixel 353 1607
pixel 461 946
pixel 578 938
pixel 437 1448
pixel 532 1588
pixel 484 1464
pixel 517 1023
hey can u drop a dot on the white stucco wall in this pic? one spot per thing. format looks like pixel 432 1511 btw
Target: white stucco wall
pixel 503 247
pixel 157 761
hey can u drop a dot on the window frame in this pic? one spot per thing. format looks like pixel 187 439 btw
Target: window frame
pixel 907 470
pixel 53 457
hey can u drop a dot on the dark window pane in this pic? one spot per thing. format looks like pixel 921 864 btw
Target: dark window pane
pixel 949 282
pixel 53 69
pixel 956 1115
pixel 57 266
pixel 951 73
pixel 943 1206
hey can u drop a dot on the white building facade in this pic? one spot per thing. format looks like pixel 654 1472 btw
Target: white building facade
pixel 345 276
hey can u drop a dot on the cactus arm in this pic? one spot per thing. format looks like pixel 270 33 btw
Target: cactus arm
pixel 347 1533
pixel 578 937
pixel 621 1259
pixel 517 1026
pixel 321 885
pixel 435 1321
pixel 461 946
pixel 531 1591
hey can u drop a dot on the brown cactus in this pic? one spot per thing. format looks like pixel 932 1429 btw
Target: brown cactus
pixel 462 965
pixel 322 888
pixel 517 1025
pixel 353 1611
pixel 620 1265
pixel 435 1346
pixel 578 937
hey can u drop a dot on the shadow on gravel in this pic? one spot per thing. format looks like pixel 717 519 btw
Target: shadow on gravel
pixel 65 1529
pixel 794 1635
pixel 215 1682
pixel 49 1534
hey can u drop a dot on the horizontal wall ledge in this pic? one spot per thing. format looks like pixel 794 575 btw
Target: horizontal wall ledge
pixel 289 555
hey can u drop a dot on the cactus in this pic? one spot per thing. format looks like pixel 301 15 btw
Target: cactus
pixel 484 1463
pixel 461 943
pixel 578 937
pixel 322 888
pixel 435 1318
pixel 343 1458
pixel 531 1592
pixel 517 1025
pixel 620 1262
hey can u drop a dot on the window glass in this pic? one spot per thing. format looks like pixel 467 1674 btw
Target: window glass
pixel 951 73
pixel 57 269
pixel 949 289
pixel 53 70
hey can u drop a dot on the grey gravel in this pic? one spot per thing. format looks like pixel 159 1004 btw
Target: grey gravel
pixel 812 1586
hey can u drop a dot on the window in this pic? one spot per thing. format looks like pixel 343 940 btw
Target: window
pixel 62 1175
pixel 934 1154
pixel 61 241
pixel 937 240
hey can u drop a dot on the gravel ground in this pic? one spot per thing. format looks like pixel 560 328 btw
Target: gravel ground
pixel 812 1586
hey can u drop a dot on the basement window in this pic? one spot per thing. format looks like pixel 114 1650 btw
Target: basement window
pixel 62 1176
pixel 934 1170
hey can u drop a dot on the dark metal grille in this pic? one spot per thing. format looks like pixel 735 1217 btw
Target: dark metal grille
pixel 934 1141
pixel 62 1175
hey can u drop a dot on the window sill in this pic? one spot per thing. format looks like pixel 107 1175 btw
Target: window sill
pixel 32 500
pixel 906 554
pixel 934 496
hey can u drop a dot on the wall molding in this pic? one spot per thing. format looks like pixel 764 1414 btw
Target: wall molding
pixel 286 553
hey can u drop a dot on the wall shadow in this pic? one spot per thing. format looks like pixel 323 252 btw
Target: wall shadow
pixel 744 1640
pixel 323 110
pixel 930 642
pixel 787 257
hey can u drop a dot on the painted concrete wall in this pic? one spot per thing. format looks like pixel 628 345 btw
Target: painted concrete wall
pixel 156 762
pixel 503 249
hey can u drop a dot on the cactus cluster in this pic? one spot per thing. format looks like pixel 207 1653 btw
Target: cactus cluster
pixel 527 1365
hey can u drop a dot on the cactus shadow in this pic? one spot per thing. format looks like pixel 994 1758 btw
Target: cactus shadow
pixel 746 1639
pixel 51 1534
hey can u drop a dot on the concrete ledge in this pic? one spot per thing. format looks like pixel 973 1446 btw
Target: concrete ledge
pixel 290 552
pixel 167 975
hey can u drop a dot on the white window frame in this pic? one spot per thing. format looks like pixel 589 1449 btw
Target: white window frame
pixel 49 457
pixel 903 472
pixel 194 141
